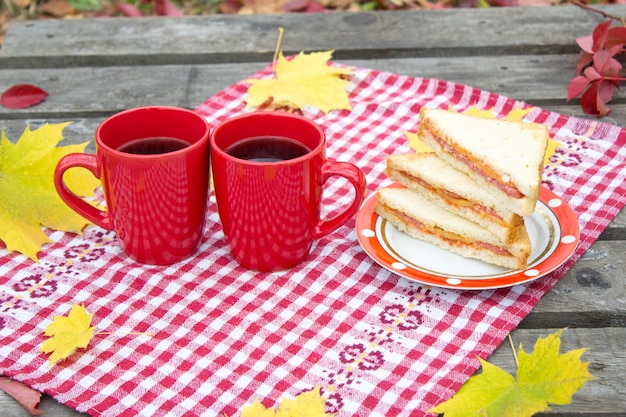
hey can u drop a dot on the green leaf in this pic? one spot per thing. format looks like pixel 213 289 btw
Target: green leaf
pixel 543 377
pixel 550 377
pixel 86 4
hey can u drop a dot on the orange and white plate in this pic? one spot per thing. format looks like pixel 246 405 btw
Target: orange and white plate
pixel 553 230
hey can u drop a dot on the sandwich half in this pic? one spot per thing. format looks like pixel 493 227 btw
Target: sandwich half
pixel 454 190
pixel 504 157
pixel 422 219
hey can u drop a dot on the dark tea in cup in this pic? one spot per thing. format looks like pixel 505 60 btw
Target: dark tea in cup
pixel 267 149
pixel 153 146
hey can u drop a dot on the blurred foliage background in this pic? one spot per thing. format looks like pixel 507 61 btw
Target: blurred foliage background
pixel 11 10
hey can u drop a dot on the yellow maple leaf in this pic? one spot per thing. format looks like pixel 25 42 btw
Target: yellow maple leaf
pixel 256 409
pixel 550 150
pixel 67 333
pixel 543 377
pixel 28 198
pixel 305 404
pixel 515 115
pixel 475 111
pixel 518 114
pixel 416 143
pixel 304 80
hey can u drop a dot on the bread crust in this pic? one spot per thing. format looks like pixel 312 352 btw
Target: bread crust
pixel 504 157
pixel 453 190
pixel 393 205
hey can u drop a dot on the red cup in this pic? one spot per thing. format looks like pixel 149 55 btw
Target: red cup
pixel 270 211
pixel 155 187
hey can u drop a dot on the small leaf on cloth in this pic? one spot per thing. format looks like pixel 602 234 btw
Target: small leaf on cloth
pixel 543 377
pixel 416 143
pixel 301 81
pixel 306 404
pixel 256 409
pixel 28 198
pixel 67 333
pixel 21 96
pixel 515 115
pixel 23 394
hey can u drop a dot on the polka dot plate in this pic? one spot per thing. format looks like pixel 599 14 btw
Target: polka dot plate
pixel 553 230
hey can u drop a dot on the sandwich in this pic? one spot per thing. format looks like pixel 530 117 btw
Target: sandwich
pixel 439 182
pixel 504 157
pixel 420 218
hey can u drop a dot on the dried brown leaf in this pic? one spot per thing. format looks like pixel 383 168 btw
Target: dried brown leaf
pixel 262 7
pixel 57 8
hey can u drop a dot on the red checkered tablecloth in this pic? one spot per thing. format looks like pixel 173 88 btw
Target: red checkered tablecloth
pixel 376 344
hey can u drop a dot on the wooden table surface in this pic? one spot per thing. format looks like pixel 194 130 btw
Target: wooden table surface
pixel 94 68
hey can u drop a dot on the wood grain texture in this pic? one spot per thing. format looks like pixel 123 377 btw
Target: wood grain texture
pixel 538 80
pixel 374 35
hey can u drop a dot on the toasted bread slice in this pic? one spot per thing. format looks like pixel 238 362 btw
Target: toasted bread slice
pixel 420 218
pixel 454 190
pixel 504 157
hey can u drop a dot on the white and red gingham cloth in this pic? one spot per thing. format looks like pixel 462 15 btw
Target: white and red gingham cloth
pixel 376 344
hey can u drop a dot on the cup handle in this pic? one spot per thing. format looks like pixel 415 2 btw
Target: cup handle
pixel 87 161
pixel 356 177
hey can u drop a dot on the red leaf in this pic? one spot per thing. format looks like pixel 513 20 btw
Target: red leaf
pixel 605 91
pixel 129 10
pixel 589 100
pixel 599 34
pixel 21 96
pixel 295 5
pixel 605 64
pixel 613 71
pixel 577 86
pixel 593 101
pixel 586 43
pixel 23 394
pixel 229 7
pixel 603 56
pixel 592 73
pixel 615 36
pixel 583 61
pixel 602 109
pixel 598 71
pixel 315 7
pixel 609 68
pixel 166 8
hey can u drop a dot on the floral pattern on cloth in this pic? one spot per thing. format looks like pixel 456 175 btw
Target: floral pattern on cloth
pixel 375 343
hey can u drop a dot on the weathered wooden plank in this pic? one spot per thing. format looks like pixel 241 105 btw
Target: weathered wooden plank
pixel 80 92
pixel 591 294
pixel 105 90
pixel 606 395
pixel 197 40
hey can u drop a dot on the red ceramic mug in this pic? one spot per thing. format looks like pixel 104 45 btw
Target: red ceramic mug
pixel 268 171
pixel 153 163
